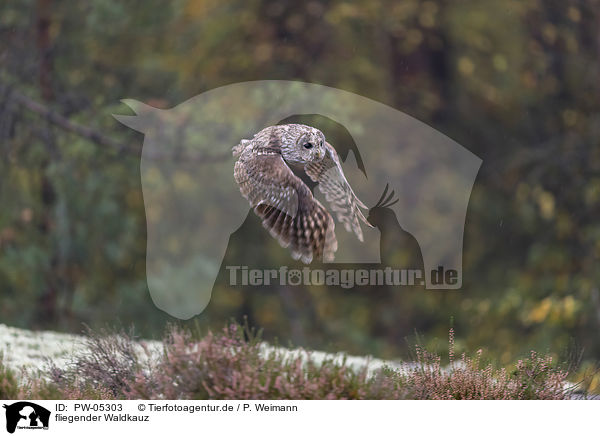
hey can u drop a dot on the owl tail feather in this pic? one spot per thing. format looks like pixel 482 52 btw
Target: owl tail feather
pixel 309 235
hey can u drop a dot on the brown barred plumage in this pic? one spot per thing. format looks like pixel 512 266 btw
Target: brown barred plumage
pixel 285 204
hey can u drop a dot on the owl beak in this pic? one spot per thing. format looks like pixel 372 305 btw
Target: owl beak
pixel 320 154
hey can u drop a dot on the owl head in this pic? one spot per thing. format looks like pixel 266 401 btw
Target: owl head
pixel 304 144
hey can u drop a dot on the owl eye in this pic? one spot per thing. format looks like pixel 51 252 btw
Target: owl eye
pixel 308 145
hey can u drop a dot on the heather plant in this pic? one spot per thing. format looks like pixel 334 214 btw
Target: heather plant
pixel 468 379
pixel 235 364
pixel 226 366
pixel 8 381
pixel 103 371
pixel 38 387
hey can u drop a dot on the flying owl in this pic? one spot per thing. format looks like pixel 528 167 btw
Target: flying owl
pixel 282 200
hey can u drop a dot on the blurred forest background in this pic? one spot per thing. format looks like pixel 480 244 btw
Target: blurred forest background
pixel 514 81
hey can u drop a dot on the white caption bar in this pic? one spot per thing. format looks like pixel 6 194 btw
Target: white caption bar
pixel 299 417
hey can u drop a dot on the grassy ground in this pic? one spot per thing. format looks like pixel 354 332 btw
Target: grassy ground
pixel 235 364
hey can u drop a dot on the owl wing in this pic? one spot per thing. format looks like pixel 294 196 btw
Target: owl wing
pixel 329 175
pixel 286 206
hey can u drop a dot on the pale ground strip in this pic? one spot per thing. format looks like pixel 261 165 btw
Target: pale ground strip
pixel 31 350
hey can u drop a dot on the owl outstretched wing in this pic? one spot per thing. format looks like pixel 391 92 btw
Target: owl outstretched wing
pixel 286 206
pixel 329 175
